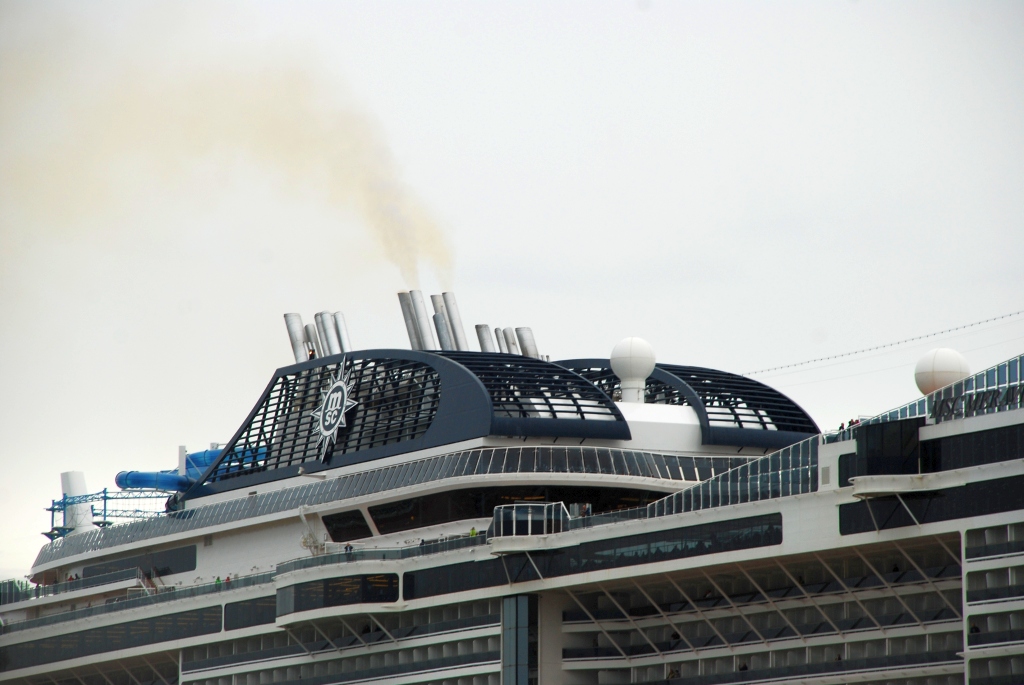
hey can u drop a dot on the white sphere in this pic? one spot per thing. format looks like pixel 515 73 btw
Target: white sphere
pixel 938 368
pixel 632 359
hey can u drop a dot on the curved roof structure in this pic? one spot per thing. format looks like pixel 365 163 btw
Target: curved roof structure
pixel 732 409
pixel 406 401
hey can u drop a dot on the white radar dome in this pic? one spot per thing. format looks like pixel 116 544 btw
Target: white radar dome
pixel 938 368
pixel 632 360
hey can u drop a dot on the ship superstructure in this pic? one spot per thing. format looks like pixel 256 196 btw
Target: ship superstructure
pixel 470 518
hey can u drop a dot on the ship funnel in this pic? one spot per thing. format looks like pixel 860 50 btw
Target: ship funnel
pixel 455 321
pixel 442 324
pixel 526 342
pixel 297 335
pixel 510 341
pixel 77 517
pixel 500 337
pixel 313 340
pixel 343 339
pixel 483 334
pixel 330 333
pixel 423 323
pixel 409 314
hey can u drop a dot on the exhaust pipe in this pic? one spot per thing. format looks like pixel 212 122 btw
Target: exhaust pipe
pixel 510 341
pixel 330 333
pixel 297 335
pixel 527 343
pixel 443 325
pixel 422 320
pixel 443 336
pixel 313 341
pixel 410 320
pixel 483 334
pixel 344 342
pixel 500 337
pixel 455 321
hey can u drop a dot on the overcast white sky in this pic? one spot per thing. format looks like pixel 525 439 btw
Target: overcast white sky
pixel 743 184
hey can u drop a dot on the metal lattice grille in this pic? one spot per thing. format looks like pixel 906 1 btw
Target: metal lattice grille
pixel 656 392
pixel 397 400
pixel 523 387
pixel 739 401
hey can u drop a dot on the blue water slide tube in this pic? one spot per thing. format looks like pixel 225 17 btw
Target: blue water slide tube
pixel 153 480
pixel 197 462
pixel 244 457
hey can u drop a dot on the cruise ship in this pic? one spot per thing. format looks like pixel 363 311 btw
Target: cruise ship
pixel 446 515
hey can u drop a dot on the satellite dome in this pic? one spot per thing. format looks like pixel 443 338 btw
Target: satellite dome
pixel 938 368
pixel 632 360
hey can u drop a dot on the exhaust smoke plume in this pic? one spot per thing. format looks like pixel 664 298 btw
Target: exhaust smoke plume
pixel 65 144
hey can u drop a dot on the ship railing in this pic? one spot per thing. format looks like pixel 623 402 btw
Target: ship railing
pixel 425 547
pixel 168 593
pixel 15 591
pixel 529 518
pixel 1001 382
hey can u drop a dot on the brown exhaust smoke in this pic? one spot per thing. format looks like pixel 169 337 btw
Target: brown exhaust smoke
pixel 284 116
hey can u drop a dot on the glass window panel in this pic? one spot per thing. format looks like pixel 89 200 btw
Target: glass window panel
pixel 590 460
pixel 484 465
pixel 459 464
pixel 703 465
pixel 544 460
pixel 498 460
pixel 472 459
pixel 528 460
pixel 559 459
pixel 436 468
pixel 1001 374
pixel 618 463
pixel 575 458
pixel 418 471
pixel 644 464
pixel 688 469
pixel 1012 371
pixel 659 463
pixel 511 460
pixel 672 463
pixel 630 458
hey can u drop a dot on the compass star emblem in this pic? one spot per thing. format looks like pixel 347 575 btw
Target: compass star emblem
pixel 330 415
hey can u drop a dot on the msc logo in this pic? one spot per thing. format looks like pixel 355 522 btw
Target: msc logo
pixel 330 415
